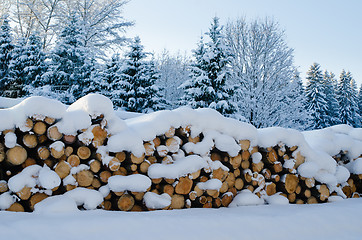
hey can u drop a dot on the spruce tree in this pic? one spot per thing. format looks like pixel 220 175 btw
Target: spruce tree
pixel 71 72
pixel 347 100
pixel 135 90
pixel 360 103
pixel 330 92
pixel 316 97
pixel 111 75
pixel 26 66
pixel 210 74
pixel 6 47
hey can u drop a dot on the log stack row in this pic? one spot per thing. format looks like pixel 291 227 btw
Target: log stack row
pixel 78 162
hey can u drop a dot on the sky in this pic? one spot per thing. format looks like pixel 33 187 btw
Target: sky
pixel 328 32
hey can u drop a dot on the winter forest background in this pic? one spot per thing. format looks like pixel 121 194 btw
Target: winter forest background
pixel 65 49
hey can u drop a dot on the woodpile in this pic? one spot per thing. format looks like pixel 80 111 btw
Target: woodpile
pixel 264 171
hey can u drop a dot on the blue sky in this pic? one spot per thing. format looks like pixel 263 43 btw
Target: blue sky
pixel 326 32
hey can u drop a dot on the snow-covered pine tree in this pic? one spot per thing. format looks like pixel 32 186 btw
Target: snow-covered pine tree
pixel 136 90
pixel 111 75
pixel 360 103
pixel 316 98
pixel 294 105
pixel 347 100
pixel 6 46
pixel 330 92
pixel 26 67
pixel 210 74
pixel 71 71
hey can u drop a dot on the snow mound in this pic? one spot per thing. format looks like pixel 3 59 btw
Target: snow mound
pixel 88 198
pixel 133 183
pixel 246 198
pixel 56 204
pixel 155 201
pixel 277 199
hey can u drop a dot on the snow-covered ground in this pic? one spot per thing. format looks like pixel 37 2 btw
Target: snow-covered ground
pixel 337 220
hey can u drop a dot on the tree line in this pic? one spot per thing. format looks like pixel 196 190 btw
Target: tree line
pixel 243 70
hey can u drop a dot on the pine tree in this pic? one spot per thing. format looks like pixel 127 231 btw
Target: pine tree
pixel 347 99
pixel 111 75
pixel 26 66
pixel 330 92
pixel 71 72
pixel 210 74
pixel 6 46
pixel 135 90
pixel 316 97
pixel 360 103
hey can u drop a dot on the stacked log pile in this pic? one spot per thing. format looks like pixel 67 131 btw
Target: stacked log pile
pixel 77 161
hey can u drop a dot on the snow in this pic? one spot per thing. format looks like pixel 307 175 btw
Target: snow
pixel 89 198
pixel 246 198
pixel 24 178
pixel 6 200
pixel 277 199
pixel 177 169
pixel 308 169
pixel 256 157
pixel 133 183
pixel 48 179
pixel 55 205
pixel 355 166
pixel 10 140
pixel 57 146
pixel 155 201
pixel 330 221
pixel 212 184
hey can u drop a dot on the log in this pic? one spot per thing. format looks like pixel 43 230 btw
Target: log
pixel 170 133
pixel 245 164
pixel 2 152
pixel 27 126
pixel 192 196
pixel 49 120
pixel 106 205
pixel 270 188
pixel 309 182
pixel 84 152
pixel 257 167
pixel 84 178
pixel 169 180
pixel 100 135
pixel 156 180
pixel 244 144
pixel 237 172
pixel 16 155
pixel 114 164
pixel 73 160
pixel 293 148
pixel 299 159
pixel 235 161
pixel 291 182
pixel 245 155
pixel 299 201
pixel 28 162
pixel 215 157
pixel 323 192
pixel 16 207
pixel 57 154
pixel 96 183
pixel 198 191
pixel 40 128
pixel 194 139
pixel 162 150
pixel 43 152
pixel 54 134
pixel 36 198
pixel 230 179
pixel 49 162
pixel 307 193
pixel 195 175
pixel 224 187
pixel 137 160
pixel 136 208
pixel 169 189
pixel 68 151
pixel 272 156
pixel 219 174
pixel 226 199
pixel 104 175
pixel 156 142
pixel 184 185
pixel 62 169
pixel 121 156
pixel 30 140
pixel 138 196
pixel 248 175
pixel 95 165
pixel 277 167
pixel 125 202
pixel 212 193
pixel 173 144
pixel 292 197
pixel 69 139
pixel 312 200
pixel 42 139
pixel 25 193
pixel 149 149
pixel 216 203
pixel 177 201
pixel 3 186
pixel 267 174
